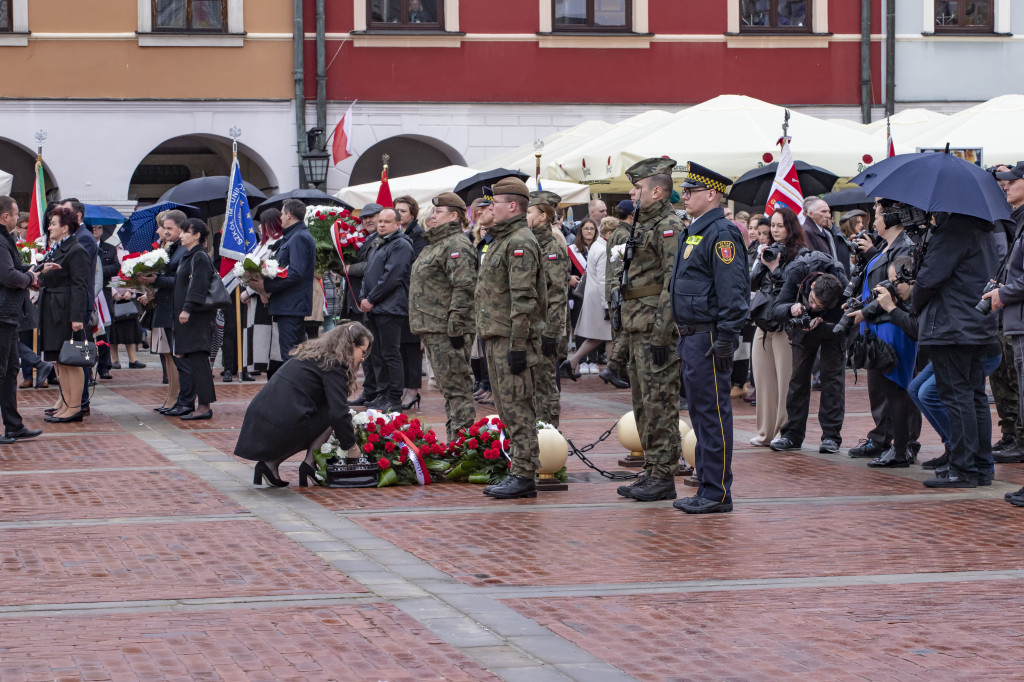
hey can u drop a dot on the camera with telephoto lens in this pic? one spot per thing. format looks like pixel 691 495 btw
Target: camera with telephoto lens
pixel 852 304
pixel 985 304
pixel 773 251
pixel 910 217
pixel 800 322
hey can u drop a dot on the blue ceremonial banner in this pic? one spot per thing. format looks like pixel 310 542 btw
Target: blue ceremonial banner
pixel 239 234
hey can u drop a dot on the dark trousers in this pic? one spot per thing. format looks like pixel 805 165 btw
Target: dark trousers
pixel 897 419
pixel 229 347
pixel 291 331
pixel 960 379
pixel 89 377
pixel 833 391
pixel 9 378
pixel 186 387
pixel 412 357
pixel 103 363
pixel 387 355
pixel 201 378
pixel 29 358
pixel 707 390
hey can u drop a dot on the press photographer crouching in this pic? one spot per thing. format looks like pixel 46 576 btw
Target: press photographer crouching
pixel 959 258
pixel 809 305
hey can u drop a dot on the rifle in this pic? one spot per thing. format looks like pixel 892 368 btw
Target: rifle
pixel 617 293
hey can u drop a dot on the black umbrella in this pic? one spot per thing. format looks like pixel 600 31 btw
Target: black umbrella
pixel 310 197
pixel 849 199
pixel 755 186
pixel 473 187
pixel 208 194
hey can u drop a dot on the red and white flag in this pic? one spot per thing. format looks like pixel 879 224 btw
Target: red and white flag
pixel 890 148
pixel 37 207
pixel 786 186
pixel 342 147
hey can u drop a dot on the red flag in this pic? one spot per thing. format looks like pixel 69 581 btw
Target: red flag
pixel 786 186
pixel 890 148
pixel 384 193
pixel 342 147
pixel 36 209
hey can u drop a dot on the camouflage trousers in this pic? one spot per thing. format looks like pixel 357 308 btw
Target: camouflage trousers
pixel 618 358
pixel 1004 390
pixel 546 400
pixel 454 379
pixel 655 392
pixel 513 396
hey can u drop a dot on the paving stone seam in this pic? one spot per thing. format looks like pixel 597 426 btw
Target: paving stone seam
pixel 478 627
pixel 100 470
pixel 127 521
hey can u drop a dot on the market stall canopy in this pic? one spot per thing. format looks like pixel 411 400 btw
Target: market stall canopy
pixel 6 181
pixel 425 186
pixel 732 134
pixel 906 125
pixel 557 144
pixel 995 126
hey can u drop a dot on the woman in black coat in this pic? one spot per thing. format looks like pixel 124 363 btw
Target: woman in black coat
pixel 303 402
pixel 65 286
pixel 193 327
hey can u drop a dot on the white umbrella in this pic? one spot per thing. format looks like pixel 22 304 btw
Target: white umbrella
pixel 524 159
pixel 995 126
pixel 6 180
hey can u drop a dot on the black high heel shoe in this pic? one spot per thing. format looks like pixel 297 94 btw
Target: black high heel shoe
pixel 263 471
pixel 414 402
pixel 306 472
pixel 566 369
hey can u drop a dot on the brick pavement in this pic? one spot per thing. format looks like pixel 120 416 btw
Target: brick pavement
pixel 159 559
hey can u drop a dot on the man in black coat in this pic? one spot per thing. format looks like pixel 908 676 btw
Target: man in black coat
pixel 291 297
pixel 960 259
pixel 385 300
pixel 822 235
pixel 15 279
pixel 110 267
pixel 355 271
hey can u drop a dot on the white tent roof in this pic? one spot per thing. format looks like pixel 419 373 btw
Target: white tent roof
pixel 523 158
pixel 994 125
pixel 425 186
pixel 6 180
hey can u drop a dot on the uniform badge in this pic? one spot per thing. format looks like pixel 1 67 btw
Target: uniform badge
pixel 694 240
pixel 726 251
pixel 455 254
pixel 517 252
pixel 688 251
pixel 552 256
pixel 668 233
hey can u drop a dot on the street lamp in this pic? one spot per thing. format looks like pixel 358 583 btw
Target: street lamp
pixel 316 162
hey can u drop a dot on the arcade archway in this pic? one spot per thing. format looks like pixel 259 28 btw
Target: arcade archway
pixel 409 154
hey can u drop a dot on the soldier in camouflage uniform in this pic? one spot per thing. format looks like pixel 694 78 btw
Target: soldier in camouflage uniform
pixel 647 321
pixel 511 301
pixel 1004 390
pixel 555 262
pixel 441 290
pixel 616 373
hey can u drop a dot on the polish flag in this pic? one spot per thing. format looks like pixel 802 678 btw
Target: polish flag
pixel 786 186
pixel 37 207
pixel 342 147
pixel 384 193
pixel 890 148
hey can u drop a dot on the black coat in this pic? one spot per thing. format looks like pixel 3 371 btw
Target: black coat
pixel 386 280
pixel 959 260
pixel 110 266
pixel 355 276
pixel 796 273
pixel 293 295
pixel 163 308
pixel 417 236
pixel 191 283
pixel 298 404
pixel 63 294
pixel 88 241
pixel 14 280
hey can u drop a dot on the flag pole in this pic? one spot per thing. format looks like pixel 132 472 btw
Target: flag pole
pixel 538 146
pixel 40 139
pixel 235 134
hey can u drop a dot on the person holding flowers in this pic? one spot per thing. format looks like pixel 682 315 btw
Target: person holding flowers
pixel 303 403
pixel 193 326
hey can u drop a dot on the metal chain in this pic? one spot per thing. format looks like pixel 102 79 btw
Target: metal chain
pixel 587 448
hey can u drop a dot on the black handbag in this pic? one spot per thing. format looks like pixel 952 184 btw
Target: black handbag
pixel 125 309
pixel 78 353
pixel 867 351
pixel 217 295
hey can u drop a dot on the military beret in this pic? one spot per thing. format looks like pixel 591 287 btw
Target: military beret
pixel 544 197
pixel 370 210
pixel 626 206
pixel 700 176
pixel 449 199
pixel 648 167
pixel 510 185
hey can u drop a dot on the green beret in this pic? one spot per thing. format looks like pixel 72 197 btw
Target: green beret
pixel 510 185
pixel 648 167
pixel 450 199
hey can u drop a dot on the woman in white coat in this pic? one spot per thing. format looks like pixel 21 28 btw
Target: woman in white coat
pixel 593 324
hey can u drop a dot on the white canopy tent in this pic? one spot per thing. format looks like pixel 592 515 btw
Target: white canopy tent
pixel 6 181
pixel 995 126
pixel 524 159
pixel 425 186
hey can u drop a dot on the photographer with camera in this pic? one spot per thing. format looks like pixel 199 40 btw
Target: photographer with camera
pixel 772 353
pixel 893 441
pixel 809 305
pixel 954 269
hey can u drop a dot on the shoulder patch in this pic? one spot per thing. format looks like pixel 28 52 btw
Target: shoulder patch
pixel 726 251
pixel 517 252
pixel 694 240
pixel 552 256
pixel 454 254
pixel 668 233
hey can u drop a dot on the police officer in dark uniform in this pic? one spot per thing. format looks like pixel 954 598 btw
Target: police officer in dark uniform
pixel 710 301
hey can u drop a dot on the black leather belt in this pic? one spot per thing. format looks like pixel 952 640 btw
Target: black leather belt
pixel 691 329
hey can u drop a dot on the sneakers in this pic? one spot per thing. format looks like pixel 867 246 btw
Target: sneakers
pixel 867 449
pixel 946 479
pixel 828 446
pixel 940 461
pixel 702 505
pixel 1018 493
pixel 782 443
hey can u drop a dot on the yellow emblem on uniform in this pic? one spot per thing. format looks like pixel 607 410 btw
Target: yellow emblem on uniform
pixel 686 253
pixel 726 251
pixel 694 240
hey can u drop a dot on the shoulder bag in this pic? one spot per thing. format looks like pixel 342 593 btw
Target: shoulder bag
pixel 217 296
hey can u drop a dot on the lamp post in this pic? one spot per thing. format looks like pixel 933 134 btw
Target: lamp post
pixel 317 161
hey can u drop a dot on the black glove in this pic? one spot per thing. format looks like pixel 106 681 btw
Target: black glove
pixel 457 341
pixel 517 361
pixel 722 350
pixel 606 314
pixel 548 346
pixel 659 354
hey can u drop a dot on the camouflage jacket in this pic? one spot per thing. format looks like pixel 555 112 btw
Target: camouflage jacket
pixel 614 268
pixel 555 264
pixel 647 303
pixel 442 283
pixel 511 296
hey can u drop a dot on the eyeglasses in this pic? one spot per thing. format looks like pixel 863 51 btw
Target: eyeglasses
pixel 687 193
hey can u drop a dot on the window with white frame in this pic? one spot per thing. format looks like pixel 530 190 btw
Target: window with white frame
pixel 593 16
pixel 767 18
pixel 191 22
pixel 959 16
pixel 13 22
